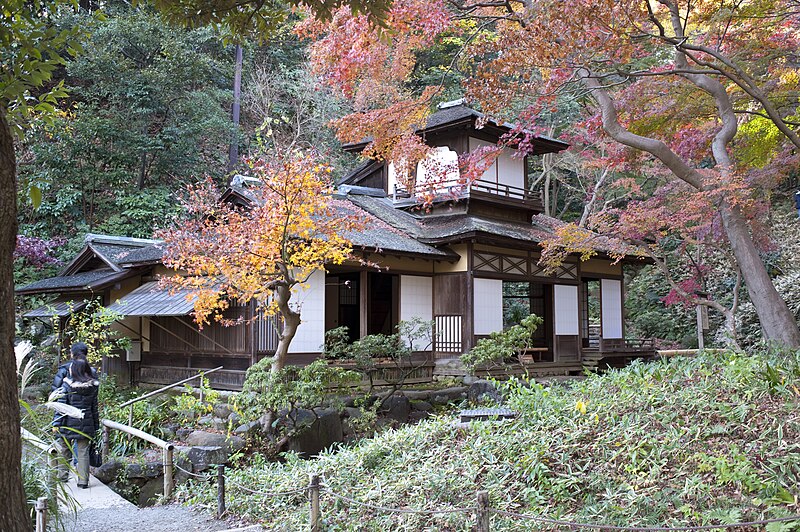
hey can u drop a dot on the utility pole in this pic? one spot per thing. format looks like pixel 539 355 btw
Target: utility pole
pixel 233 153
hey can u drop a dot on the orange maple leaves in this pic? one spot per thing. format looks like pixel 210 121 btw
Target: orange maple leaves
pixel 288 229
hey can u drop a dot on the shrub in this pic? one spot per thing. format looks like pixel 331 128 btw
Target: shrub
pixel 286 391
pixel 502 346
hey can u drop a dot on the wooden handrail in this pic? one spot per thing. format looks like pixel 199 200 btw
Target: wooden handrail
pixel 138 433
pixel 32 439
pixel 166 447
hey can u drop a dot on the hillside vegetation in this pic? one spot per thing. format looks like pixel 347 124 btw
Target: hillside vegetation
pixel 707 440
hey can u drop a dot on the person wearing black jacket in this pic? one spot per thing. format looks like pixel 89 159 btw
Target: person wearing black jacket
pixel 79 389
pixel 79 350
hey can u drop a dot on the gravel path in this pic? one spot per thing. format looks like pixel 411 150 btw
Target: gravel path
pixel 169 518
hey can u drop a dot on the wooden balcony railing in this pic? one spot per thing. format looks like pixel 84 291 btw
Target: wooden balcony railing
pixel 458 188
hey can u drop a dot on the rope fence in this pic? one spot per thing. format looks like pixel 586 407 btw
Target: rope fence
pixel 482 510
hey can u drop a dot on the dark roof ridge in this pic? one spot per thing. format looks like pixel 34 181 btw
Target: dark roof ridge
pixel 97 238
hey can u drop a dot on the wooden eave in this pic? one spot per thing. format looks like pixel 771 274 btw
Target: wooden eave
pixel 85 255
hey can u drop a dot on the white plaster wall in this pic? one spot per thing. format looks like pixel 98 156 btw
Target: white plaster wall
pixel 311 302
pixel 416 301
pixel 565 310
pixel 506 169
pixel 488 306
pixel 491 173
pixel 391 178
pixel 511 169
pixel 611 308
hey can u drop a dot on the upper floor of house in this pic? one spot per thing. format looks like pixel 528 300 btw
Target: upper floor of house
pixel 503 191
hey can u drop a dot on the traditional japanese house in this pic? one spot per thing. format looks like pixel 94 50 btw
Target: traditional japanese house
pixel 468 263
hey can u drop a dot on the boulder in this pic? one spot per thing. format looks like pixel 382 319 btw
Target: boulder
pixel 235 419
pixel 321 433
pixel 202 457
pixel 109 471
pixel 440 399
pixel 201 438
pixel 146 470
pixel 181 460
pixel 417 415
pixel 181 434
pixel 169 431
pixel 483 391
pixel 222 410
pixel 205 420
pixel 423 406
pixel 247 428
pixel 219 424
pixel 151 491
pixel 397 407
pixel 350 411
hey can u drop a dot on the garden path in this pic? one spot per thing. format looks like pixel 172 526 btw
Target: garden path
pixel 102 510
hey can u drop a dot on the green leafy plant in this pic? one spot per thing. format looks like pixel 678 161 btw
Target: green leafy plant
pixel 502 346
pixel 188 405
pixel 92 325
pixel 282 394
pixel 620 448
pixel 337 344
pixel 37 437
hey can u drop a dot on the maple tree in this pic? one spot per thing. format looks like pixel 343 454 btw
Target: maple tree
pixel 700 92
pixel 292 228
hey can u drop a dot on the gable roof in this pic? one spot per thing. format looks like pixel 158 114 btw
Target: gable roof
pixel 109 249
pixel 456 113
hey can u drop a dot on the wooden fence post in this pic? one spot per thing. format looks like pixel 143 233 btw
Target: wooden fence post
pixel 106 443
pixel 313 496
pixel 483 512
pixel 41 514
pixel 220 490
pixel 168 471
pixel 52 465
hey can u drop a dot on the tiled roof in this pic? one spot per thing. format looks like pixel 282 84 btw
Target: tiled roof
pixel 62 307
pixel 380 235
pixel 440 229
pixel 444 228
pixel 148 255
pixel 83 281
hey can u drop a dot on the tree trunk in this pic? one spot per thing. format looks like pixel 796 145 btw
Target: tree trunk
pixel 777 321
pixel 14 516
pixel 291 321
pixel 233 152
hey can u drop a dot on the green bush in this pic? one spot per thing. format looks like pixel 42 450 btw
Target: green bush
pixel 502 346
pixel 290 388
